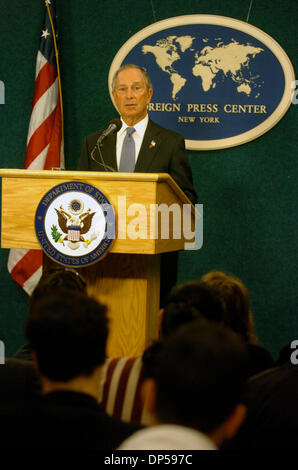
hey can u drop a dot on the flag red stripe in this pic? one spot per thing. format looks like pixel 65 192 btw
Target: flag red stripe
pixel 137 410
pixel 55 143
pixel 27 266
pixel 40 139
pixel 44 80
pixel 111 367
pixel 122 387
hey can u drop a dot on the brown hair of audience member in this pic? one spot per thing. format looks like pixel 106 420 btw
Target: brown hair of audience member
pixel 57 278
pixel 234 298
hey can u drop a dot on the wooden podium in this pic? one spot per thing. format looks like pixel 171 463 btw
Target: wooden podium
pixel 127 280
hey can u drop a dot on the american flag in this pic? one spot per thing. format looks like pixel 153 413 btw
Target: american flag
pixel 45 138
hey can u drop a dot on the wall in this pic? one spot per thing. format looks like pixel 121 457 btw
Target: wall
pixel 248 191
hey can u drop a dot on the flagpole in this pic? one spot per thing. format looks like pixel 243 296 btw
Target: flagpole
pixel 59 81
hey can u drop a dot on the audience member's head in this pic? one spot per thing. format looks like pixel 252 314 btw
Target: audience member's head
pixel 187 302
pixel 59 278
pixel 235 303
pixel 199 379
pixel 67 331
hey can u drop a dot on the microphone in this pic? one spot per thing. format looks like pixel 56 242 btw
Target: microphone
pixel 114 126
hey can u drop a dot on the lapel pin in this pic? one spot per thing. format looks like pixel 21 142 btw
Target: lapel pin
pixel 152 144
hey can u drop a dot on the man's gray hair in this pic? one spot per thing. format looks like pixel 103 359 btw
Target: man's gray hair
pixel 132 66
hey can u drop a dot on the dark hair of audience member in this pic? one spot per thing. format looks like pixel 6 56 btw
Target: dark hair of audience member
pixel 59 278
pixel 235 303
pixel 187 302
pixel 68 332
pixel 200 375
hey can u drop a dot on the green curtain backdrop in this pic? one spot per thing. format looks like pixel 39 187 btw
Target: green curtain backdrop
pixel 248 192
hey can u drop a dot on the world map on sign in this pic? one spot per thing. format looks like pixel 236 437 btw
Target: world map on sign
pixel 217 81
pixel 212 65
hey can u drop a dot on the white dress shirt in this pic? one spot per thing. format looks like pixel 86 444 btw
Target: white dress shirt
pixel 138 136
pixel 168 437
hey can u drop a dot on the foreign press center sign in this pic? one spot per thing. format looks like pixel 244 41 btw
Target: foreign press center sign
pixel 218 81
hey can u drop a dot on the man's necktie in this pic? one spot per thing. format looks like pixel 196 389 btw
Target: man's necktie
pixel 127 159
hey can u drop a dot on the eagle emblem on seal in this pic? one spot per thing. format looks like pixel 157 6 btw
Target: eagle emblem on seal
pixel 74 224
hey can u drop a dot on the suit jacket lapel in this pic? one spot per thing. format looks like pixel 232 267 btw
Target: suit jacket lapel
pixel 109 151
pixel 149 148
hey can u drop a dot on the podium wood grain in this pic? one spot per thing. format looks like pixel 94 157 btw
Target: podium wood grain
pixel 22 190
pixel 129 286
pixel 128 278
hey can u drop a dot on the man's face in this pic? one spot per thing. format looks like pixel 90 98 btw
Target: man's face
pixel 131 95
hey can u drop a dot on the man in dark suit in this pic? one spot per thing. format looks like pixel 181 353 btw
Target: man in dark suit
pixel 156 149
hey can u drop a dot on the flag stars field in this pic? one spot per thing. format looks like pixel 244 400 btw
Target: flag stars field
pixel 45 34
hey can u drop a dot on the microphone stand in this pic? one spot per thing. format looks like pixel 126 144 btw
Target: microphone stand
pixel 102 163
